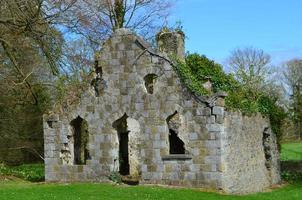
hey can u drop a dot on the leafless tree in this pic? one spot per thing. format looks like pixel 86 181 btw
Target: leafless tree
pixel 97 19
pixel 251 67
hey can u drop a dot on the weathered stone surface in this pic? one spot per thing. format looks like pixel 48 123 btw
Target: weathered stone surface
pixel 217 110
pixel 222 150
pixel 244 167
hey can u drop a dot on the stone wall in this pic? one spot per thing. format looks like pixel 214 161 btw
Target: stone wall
pixel 125 61
pixel 250 159
pixel 136 102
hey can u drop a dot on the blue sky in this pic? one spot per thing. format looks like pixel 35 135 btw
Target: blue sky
pixel 215 27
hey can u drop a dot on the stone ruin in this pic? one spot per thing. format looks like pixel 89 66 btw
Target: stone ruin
pixel 138 120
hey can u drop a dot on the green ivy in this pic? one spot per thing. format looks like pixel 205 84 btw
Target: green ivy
pixel 189 79
pixel 197 69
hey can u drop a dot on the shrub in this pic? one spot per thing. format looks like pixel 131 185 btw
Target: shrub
pixel 115 177
pixel 29 172
pixel 291 177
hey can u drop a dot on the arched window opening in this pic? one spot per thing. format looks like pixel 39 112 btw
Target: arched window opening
pixel 123 135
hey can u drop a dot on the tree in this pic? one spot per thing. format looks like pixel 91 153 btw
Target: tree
pixel 30 48
pixel 250 67
pixel 293 80
pixel 90 22
pixel 48 44
pixel 97 19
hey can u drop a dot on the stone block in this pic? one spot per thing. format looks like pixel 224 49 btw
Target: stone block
pixel 219 119
pixel 215 127
pixel 220 102
pixel 90 108
pixel 121 46
pixel 156 176
pixel 194 167
pixel 159 144
pixel 195 152
pixel 193 136
pixel 174 176
pixel 152 168
pixel 217 110
pixel 160 168
pixel 211 119
pixel 212 136
pixel 168 167
pixel 190 176
pixel 144 168
pixel 130 54
pixel 207 111
pixel 147 176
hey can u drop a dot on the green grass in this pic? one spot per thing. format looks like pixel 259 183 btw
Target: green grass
pixel 25 190
pixel 30 172
pixel 291 151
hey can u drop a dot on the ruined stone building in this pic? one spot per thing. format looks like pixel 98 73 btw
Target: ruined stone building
pixel 139 120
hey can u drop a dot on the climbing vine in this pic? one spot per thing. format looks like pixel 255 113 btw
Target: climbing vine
pixel 197 69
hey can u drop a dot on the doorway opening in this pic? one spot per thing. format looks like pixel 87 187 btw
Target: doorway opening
pixel 123 136
pixel 128 132
pixel 80 141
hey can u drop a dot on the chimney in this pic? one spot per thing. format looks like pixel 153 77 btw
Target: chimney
pixel 171 42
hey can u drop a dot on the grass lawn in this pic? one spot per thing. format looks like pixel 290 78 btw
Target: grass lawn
pixel 291 151
pixel 24 190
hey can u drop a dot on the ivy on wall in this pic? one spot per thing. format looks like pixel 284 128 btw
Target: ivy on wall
pixel 197 69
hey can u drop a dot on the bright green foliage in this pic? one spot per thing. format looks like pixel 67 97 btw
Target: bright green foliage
pixel 202 69
pixel 189 79
pixel 269 107
pixel 29 172
pixel 198 69
pixel 86 191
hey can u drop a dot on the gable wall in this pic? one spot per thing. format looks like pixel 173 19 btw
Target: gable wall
pixel 124 65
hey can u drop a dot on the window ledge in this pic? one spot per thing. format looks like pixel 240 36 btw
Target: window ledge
pixel 177 157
